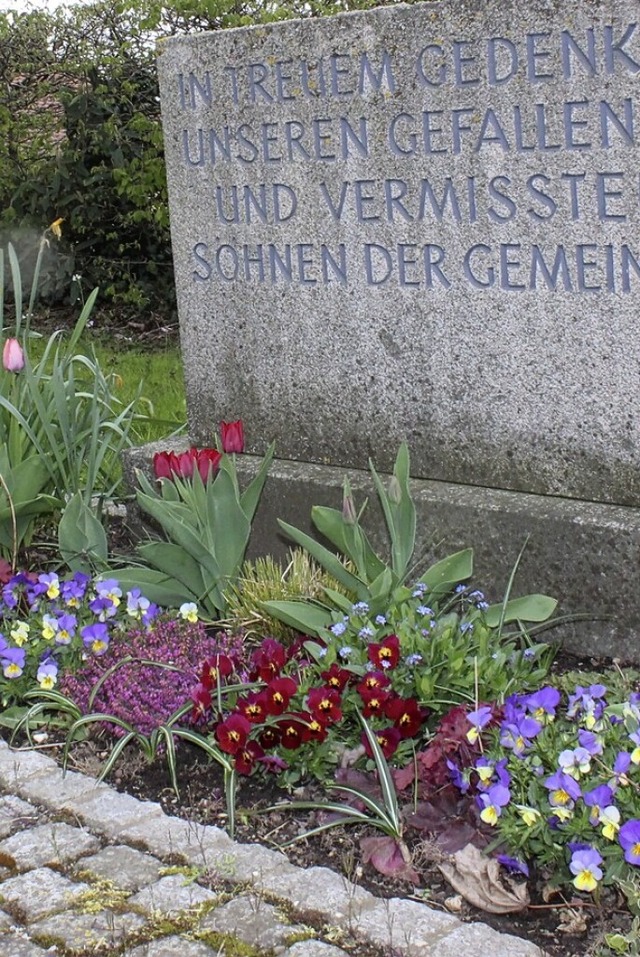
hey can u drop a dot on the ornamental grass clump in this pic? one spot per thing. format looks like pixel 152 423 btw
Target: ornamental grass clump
pixel 559 781
pixel 137 688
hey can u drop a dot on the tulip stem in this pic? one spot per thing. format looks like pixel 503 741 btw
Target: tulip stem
pixel 14 524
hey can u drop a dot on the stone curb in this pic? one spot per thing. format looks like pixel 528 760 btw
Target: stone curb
pixel 50 862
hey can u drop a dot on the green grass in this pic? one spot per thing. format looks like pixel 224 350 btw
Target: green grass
pixel 162 405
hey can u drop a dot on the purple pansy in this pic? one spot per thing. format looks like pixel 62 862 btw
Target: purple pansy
pixel 629 837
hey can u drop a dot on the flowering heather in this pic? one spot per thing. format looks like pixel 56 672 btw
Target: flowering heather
pixel 143 695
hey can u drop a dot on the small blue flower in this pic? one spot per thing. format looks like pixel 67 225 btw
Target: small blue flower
pixel 477 596
pixel 423 610
pixel 365 633
pixel 414 659
pixel 419 590
pixel 360 608
pixel 482 605
pixel 529 653
pixel 380 620
pixel 345 651
pixel 466 626
pixel 339 628
pixel 459 589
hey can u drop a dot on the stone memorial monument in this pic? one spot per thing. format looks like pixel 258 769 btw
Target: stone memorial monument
pixel 422 222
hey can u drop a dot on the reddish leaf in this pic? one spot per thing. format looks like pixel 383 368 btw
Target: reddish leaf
pixel 389 856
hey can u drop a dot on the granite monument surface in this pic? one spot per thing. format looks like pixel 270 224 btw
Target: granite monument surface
pixel 421 222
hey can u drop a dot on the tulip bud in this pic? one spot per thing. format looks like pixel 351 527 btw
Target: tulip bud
pixel 349 516
pixel 232 436
pixel 13 356
pixel 395 492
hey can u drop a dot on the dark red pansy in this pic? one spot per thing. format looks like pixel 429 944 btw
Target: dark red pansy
pixel 201 703
pixel 247 757
pixel 374 702
pixel 217 666
pixel 405 714
pixel 292 730
pixel 314 729
pixel 387 738
pixel 324 705
pixel 336 677
pixel 269 737
pixel 373 681
pixel 278 694
pixel 268 660
pixel 253 707
pixel 386 654
pixel 233 733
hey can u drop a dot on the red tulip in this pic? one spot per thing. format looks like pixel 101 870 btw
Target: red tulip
pixel 185 463
pixel 164 464
pixel 13 356
pixel 232 435
pixel 208 462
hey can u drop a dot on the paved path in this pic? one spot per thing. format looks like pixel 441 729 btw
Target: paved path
pixel 85 870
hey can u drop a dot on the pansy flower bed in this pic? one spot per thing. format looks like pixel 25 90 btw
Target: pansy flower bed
pixel 559 781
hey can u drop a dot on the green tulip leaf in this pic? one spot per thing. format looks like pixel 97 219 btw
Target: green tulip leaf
pixel 451 570
pixel 329 561
pixel 155 585
pixel 534 608
pixel 306 617
pixel 174 562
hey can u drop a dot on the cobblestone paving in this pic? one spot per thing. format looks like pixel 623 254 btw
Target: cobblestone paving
pixel 85 870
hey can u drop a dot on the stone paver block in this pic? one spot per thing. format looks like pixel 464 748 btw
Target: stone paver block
pixel 107 812
pixel 480 939
pixel 313 948
pixel 79 933
pixel 15 813
pixel 5 922
pixel 166 836
pixel 17 766
pixel 48 844
pixel 16 946
pixel 249 862
pixel 57 790
pixel 410 926
pixel 123 866
pixel 252 921
pixel 39 892
pixel 320 891
pixel 171 947
pixel 171 894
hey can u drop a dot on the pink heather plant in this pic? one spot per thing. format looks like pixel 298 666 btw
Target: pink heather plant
pixel 144 695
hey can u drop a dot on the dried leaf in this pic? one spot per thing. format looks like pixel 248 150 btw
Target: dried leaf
pixel 478 879
pixel 454 904
pixel 572 922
